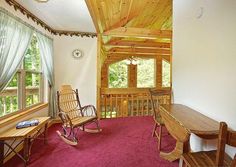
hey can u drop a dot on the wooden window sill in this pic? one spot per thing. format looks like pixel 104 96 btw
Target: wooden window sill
pixel 21 114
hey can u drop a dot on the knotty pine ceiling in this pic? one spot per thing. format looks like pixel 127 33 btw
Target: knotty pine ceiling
pixel 141 28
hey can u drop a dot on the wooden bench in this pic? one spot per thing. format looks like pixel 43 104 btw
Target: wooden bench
pixel 15 137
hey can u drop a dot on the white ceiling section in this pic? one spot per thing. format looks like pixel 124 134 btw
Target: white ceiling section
pixel 69 15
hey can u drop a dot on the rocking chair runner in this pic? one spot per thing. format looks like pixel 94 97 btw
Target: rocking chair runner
pixel 73 115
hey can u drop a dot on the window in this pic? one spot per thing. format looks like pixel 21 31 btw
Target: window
pixel 25 89
pixel 118 75
pixel 9 97
pixel 146 73
pixel 165 73
pixel 33 74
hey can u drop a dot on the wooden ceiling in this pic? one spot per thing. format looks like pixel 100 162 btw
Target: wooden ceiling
pixel 132 27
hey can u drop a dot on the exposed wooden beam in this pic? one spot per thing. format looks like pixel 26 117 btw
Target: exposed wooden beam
pixel 136 44
pixel 118 57
pixel 139 33
pixel 135 53
pixel 128 14
pixel 94 14
pixel 140 51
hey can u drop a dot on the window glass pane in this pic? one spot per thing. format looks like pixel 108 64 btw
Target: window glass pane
pixel 165 73
pixel 32 56
pixel 32 82
pixel 118 75
pixel 8 98
pixel 146 73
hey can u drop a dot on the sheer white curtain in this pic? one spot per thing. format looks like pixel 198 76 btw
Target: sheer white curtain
pixel 46 53
pixel 14 40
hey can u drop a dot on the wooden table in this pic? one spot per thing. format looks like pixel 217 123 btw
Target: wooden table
pixel 19 136
pixel 195 122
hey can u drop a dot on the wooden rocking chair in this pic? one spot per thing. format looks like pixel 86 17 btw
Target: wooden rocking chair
pixel 73 115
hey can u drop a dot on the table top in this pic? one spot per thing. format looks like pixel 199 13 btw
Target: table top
pixel 24 132
pixel 196 122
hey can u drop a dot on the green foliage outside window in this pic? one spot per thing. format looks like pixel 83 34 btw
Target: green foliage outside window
pixel 146 73
pixel 13 83
pixel 32 56
pixel 118 75
pixel 32 80
pixel 165 73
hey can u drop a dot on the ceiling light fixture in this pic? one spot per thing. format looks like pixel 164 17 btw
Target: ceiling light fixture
pixel 132 60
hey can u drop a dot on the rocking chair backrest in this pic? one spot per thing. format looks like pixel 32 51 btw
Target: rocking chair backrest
pixel 68 101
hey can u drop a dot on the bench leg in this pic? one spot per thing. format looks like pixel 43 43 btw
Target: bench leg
pixel 1 153
pixel 46 133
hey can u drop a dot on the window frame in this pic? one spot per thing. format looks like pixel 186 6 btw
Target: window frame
pixel 21 89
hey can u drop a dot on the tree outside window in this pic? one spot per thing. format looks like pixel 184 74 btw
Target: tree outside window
pixel 146 73
pixel 165 73
pixel 118 75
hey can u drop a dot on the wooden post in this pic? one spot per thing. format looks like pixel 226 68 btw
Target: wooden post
pixel 159 72
pixel 99 66
pixel 132 75
pixel 104 76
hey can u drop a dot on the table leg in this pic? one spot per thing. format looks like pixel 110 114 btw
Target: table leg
pixel 1 152
pixel 46 133
pixel 26 149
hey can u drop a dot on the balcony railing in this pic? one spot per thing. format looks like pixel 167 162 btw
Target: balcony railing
pixel 9 100
pixel 128 102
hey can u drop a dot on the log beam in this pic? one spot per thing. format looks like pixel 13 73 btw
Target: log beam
pixel 139 33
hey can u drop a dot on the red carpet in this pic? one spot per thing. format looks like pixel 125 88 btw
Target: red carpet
pixel 124 142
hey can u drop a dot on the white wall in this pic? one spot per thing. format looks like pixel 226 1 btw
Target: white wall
pixel 80 73
pixel 204 57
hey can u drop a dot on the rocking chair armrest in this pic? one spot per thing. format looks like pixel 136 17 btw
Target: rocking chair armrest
pixel 89 110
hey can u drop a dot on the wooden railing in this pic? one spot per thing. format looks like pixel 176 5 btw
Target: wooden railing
pixel 128 102
pixel 8 99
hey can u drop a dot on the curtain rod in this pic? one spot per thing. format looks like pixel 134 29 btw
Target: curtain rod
pixel 22 22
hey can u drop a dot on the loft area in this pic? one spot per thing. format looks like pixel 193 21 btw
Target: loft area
pixel 141 79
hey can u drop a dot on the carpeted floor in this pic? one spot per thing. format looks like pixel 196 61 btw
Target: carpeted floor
pixel 124 142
